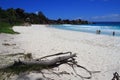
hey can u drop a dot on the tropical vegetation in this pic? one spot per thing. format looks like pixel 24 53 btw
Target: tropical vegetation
pixel 11 16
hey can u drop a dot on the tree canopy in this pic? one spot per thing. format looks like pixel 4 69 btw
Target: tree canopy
pixel 19 15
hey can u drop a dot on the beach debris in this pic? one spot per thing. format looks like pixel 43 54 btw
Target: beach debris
pixel 27 24
pixel 64 72
pixel 28 56
pixel 15 54
pixel 22 66
pixel 116 76
pixel 39 79
pixel 8 44
pixel 5 40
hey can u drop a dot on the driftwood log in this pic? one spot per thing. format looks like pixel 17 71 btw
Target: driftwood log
pixel 40 63
pixel 46 63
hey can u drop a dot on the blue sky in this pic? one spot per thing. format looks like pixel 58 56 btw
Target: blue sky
pixel 92 10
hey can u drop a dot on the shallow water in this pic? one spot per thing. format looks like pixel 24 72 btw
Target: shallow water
pixel 105 28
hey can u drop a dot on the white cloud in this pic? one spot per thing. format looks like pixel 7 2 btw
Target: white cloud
pixel 111 17
pixel 115 15
pixel 79 17
pixel 36 12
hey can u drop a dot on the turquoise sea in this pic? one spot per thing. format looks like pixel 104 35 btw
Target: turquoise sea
pixel 106 28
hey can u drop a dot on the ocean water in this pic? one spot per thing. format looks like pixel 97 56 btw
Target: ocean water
pixel 106 28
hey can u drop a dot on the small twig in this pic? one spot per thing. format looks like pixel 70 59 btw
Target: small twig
pixel 75 71
pixel 43 74
pixel 116 76
pixel 90 72
pixel 46 78
pixel 56 73
pixel 61 53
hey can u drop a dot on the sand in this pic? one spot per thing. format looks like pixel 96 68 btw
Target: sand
pixel 95 52
pixel 8 45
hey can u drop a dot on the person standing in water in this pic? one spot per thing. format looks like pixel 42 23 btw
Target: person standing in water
pixel 113 33
pixel 98 31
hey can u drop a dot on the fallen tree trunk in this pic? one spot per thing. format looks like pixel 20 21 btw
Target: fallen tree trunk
pixel 40 63
pixel 48 63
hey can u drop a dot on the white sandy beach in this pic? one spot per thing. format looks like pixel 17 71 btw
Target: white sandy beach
pixel 95 52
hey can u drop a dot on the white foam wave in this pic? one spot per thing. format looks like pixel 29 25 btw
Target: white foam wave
pixel 67 25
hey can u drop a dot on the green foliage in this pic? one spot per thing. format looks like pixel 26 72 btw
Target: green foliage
pixel 18 15
pixel 11 17
pixel 6 28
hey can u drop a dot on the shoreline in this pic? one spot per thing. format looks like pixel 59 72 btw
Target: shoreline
pixel 95 52
pixel 89 29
